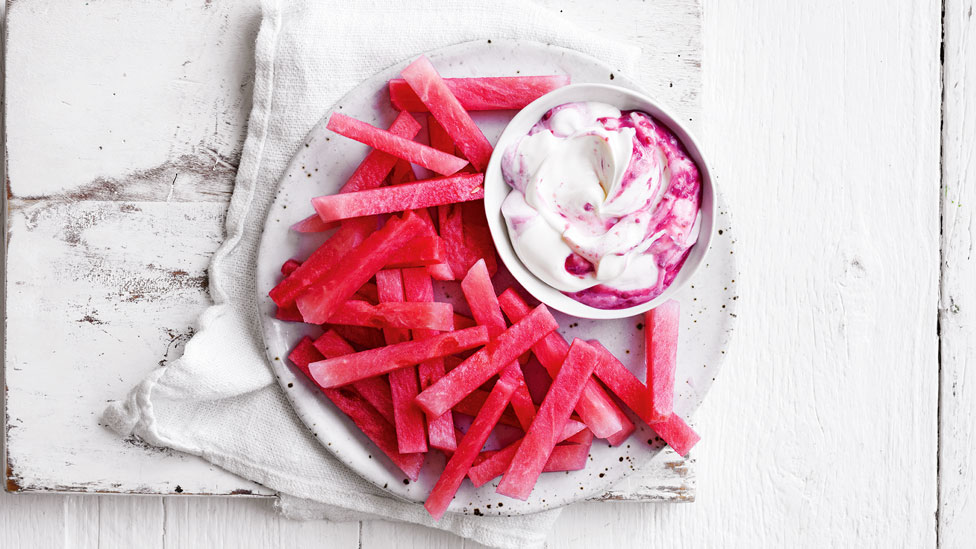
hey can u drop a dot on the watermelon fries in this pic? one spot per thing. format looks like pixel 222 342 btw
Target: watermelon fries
pixel 404 367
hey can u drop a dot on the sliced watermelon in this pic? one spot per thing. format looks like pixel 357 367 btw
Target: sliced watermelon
pixel 502 351
pixel 624 384
pixel 542 436
pixel 480 295
pixel 433 316
pixel 367 292
pixel 417 287
pixel 398 198
pixel 360 337
pixel 661 352
pixel 436 135
pixel 536 379
pixel 494 464
pixel 567 457
pixel 409 421
pixel 369 421
pixel 374 362
pixel 289 266
pixel 411 151
pixel 402 173
pixel 457 467
pixel 313 224
pixel 433 92
pixel 597 409
pixel 378 164
pixel 340 282
pixel 419 252
pixel 477 235
pixel 482 94
pixel 459 256
pixel 470 405
pixel 289 313
pixel 461 322
pixel 679 436
pixel 322 260
pixel 376 390
pixel 584 436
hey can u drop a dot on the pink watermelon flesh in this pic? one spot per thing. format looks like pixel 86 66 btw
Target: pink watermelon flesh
pixel 477 235
pixel 434 316
pixel 438 271
pixel 408 419
pixel 595 407
pixel 542 436
pixel 624 384
pixel 367 292
pixel 459 256
pixel 374 362
pixel 289 313
pixel 567 457
pixel 390 143
pixel 482 94
pixel 361 338
pixel 417 287
pixel 461 322
pixel 480 295
pixel 584 436
pixel 457 467
pixel 340 282
pixel 398 198
pixel 378 164
pixel 677 434
pixel 470 405
pixel 500 352
pixel 419 252
pixel 313 224
pixel 322 260
pixel 494 464
pixel 289 266
pixel 436 135
pixel 536 379
pixel 402 173
pixel 661 352
pixel 376 390
pixel 362 414
pixel 436 95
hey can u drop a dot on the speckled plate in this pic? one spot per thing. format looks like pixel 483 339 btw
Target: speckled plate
pixel 326 161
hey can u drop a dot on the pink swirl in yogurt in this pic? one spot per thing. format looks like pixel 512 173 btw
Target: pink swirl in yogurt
pixel 605 205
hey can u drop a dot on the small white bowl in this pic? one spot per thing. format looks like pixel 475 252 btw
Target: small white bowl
pixel 496 190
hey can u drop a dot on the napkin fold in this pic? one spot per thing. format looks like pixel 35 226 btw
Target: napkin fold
pixel 220 400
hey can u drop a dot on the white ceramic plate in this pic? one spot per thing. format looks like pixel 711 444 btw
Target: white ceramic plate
pixel 326 160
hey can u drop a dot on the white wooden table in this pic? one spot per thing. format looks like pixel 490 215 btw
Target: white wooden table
pixel 842 417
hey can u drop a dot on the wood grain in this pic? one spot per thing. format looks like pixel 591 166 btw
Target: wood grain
pixel 957 310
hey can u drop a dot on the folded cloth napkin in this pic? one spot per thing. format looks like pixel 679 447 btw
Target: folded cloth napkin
pixel 220 400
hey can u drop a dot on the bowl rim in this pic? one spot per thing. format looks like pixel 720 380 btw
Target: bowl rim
pixel 496 190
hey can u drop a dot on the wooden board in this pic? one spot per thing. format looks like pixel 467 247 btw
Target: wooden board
pixel 122 150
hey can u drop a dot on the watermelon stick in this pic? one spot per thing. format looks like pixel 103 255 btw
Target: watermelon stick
pixel 595 407
pixel 661 354
pixel 312 224
pixel 470 405
pixel 411 151
pixel 480 295
pixel 321 261
pixel 342 280
pixel 346 369
pixel 479 367
pixel 679 436
pixel 369 421
pixel 408 419
pixel 542 436
pixel 376 390
pixel 378 164
pixel 419 252
pixel 397 198
pixel 482 94
pixel 567 457
pixel 457 467
pixel 495 463
pixel 433 316
pixel 433 92
pixel 624 384
pixel 417 287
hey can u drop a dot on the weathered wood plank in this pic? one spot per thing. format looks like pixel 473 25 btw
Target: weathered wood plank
pixel 957 311
pixel 823 124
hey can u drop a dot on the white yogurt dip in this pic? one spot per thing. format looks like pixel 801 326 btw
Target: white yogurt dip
pixel 604 204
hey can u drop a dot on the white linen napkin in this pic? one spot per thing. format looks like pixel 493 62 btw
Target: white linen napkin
pixel 220 400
